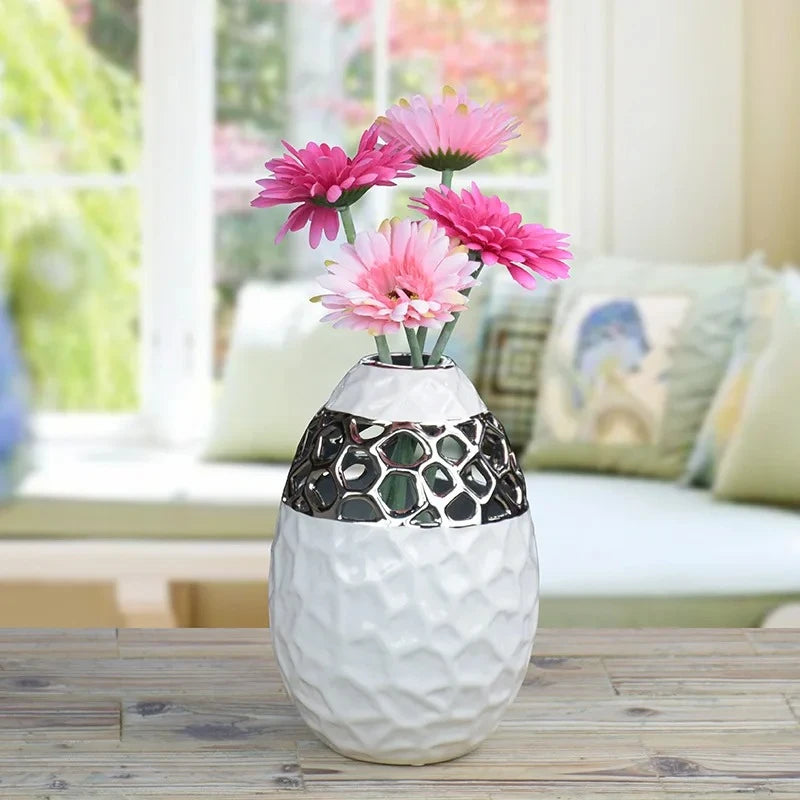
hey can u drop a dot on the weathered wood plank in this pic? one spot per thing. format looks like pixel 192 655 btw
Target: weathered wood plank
pixel 740 712
pixel 384 790
pixel 195 643
pixel 509 756
pixel 566 677
pixel 144 677
pixel 646 642
pixel 645 789
pixel 49 720
pixel 725 754
pixel 774 640
pixel 202 725
pixel 794 705
pixel 18 643
pixel 157 793
pixel 639 715
pixel 201 774
pixel 774 674
pixel 719 789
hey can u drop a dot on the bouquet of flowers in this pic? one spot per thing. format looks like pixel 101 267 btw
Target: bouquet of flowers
pixel 404 516
pixel 412 274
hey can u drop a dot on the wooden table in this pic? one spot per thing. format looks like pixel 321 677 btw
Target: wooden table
pixel 636 714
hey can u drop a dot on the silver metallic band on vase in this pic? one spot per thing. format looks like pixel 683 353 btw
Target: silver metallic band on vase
pixel 457 474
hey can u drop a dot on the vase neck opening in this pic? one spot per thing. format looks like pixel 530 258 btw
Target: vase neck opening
pixel 402 361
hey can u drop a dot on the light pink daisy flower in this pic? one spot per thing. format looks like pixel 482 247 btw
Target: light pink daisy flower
pixel 486 225
pixel 404 274
pixel 324 179
pixel 448 134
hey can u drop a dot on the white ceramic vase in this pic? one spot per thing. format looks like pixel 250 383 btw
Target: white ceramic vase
pixel 404 578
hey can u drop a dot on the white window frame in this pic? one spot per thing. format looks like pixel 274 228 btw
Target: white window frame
pixel 177 183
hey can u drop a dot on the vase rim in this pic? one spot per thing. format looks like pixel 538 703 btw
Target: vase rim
pixel 404 360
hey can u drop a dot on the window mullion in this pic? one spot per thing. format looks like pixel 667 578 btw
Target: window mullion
pixel 580 135
pixel 381 79
pixel 177 66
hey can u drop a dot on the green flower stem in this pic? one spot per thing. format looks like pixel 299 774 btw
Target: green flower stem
pixel 347 222
pixel 447 330
pixel 384 354
pixel 447 177
pixel 403 451
pixel 396 484
pixel 414 348
pixel 422 334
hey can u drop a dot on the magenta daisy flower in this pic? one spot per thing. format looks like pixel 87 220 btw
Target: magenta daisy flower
pixel 324 179
pixel 486 225
pixel 405 274
pixel 448 134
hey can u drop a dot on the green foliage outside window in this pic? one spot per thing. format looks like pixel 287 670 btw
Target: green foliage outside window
pixel 70 257
pixel 69 104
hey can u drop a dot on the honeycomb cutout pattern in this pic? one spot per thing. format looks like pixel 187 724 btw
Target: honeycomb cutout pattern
pixel 353 469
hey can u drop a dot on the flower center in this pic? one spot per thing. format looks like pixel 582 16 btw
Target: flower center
pixel 395 281
pixel 394 294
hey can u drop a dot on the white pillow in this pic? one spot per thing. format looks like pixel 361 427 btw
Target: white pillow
pixel 281 367
pixel 283 364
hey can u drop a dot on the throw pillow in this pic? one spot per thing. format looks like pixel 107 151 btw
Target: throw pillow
pixel 634 356
pixel 723 416
pixel 516 327
pixel 762 460
pixel 282 365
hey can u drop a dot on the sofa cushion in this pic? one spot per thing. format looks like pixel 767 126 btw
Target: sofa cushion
pixel 634 356
pixel 517 323
pixel 597 534
pixel 615 536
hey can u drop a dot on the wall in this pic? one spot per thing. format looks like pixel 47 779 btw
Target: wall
pixel 676 142
pixel 677 127
pixel 772 129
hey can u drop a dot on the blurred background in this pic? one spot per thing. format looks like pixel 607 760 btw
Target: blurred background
pixel 162 345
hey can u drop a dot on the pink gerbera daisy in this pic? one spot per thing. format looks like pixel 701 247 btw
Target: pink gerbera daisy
pixel 324 179
pixel 485 224
pixel 448 134
pixel 404 274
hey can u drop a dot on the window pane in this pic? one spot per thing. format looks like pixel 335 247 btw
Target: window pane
pixel 246 249
pixel 494 48
pixel 69 99
pixel 71 260
pixel 245 240
pixel 305 69
pixel 294 69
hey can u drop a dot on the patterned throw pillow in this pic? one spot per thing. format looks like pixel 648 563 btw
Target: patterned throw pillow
pixel 633 359
pixel 516 327
pixel 761 303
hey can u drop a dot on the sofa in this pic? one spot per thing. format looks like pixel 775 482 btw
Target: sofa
pixel 654 530
pixel 614 551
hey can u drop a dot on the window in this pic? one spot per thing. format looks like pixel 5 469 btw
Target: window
pixel 69 237
pixel 217 90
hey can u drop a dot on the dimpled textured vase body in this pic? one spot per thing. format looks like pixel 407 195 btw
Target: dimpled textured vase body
pixel 404 579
